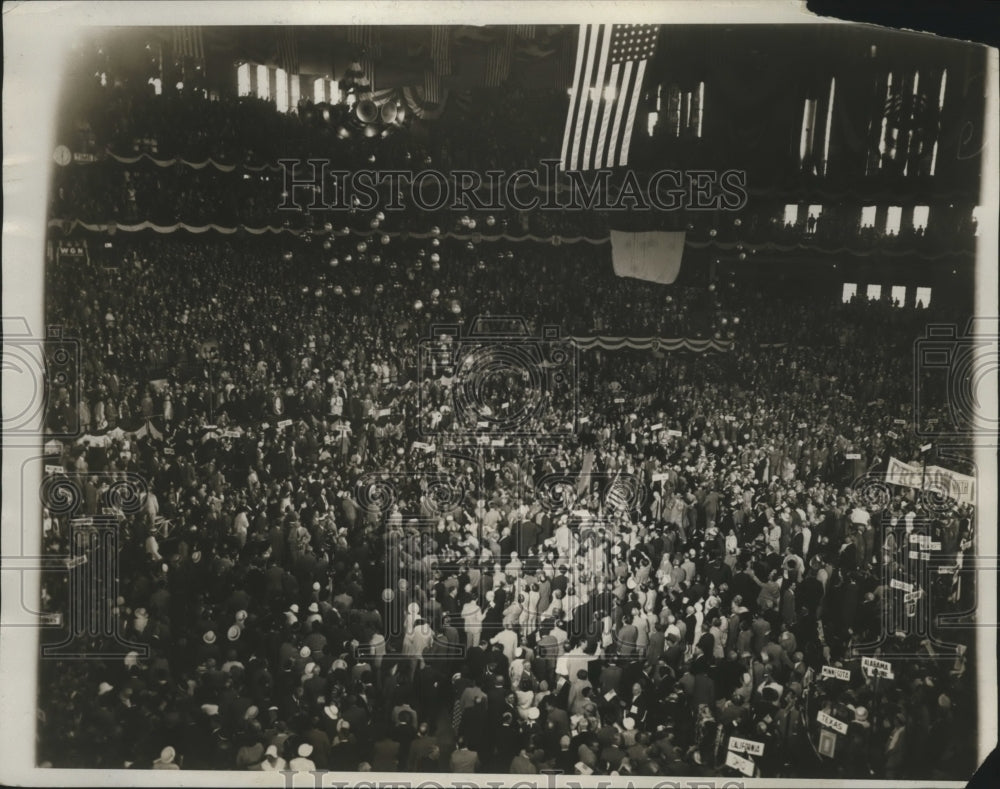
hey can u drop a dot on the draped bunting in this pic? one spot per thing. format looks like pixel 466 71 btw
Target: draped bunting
pixel 610 343
pixel 225 168
pixel 69 225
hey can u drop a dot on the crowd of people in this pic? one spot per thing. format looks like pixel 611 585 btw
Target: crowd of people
pixel 386 520
pixel 338 564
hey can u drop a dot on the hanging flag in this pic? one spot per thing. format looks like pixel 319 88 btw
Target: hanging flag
pixel 288 51
pixel 498 59
pixel 440 49
pixel 188 43
pixel 607 88
pixel 366 39
pixel 654 256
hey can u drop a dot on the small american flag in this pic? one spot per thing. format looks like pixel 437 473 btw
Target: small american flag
pixel 607 88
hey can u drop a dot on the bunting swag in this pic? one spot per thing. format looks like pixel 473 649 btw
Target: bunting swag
pixel 607 343
pixel 69 225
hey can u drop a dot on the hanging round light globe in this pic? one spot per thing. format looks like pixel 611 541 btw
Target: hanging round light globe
pixel 376 259
pixel 362 246
pixel 736 320
pixel 435 242
pixel 713 232
pixel 374 224
pixel 711 288
pixel 380 216
pixel 345 230
pixel 435 294
pixel 435 266
pixel 435 257
pixel 328 226
pixel 491 220
pixel 418 305
pixel 327 244
pixel 384 239
pixel 339 291
pixel 464 221
pixel 472 224
pixel 427 160
pixel 737 222
pixel 743 255
pixel 421 253
pixel 435 231
pixel 348 258
pixel 334 262
pixel 456 308
pixel 319 292
pixel 356 290
pixel 287 256
pixel 379 288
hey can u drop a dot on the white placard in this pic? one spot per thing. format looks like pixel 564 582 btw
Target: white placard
pixel 874 667
pixel 54 469
pixel 737 762
pixel 836 673
pixel 284 423
pixel 832 723
pixel 740 745
pixel 895 583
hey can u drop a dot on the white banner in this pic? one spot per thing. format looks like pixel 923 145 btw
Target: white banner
pixel 652 256
pixel 960 487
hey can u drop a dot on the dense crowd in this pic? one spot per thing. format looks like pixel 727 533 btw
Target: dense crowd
pixel 347 558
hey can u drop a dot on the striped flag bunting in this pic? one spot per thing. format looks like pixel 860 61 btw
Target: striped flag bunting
pixel 189 43
pixel 607 89
pixel 525 31
pixel 432 86
pixel 441 49
pixel 368 40
pixel 288 51
pixel 498 59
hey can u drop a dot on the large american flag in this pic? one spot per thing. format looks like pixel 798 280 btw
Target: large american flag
pixel 607 88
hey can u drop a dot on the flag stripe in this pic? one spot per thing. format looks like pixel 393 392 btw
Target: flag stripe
pixel 633 106
pixel 598 89
pixel 602 141
pixel 585 96
pixel 574 96
pixel 619 111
